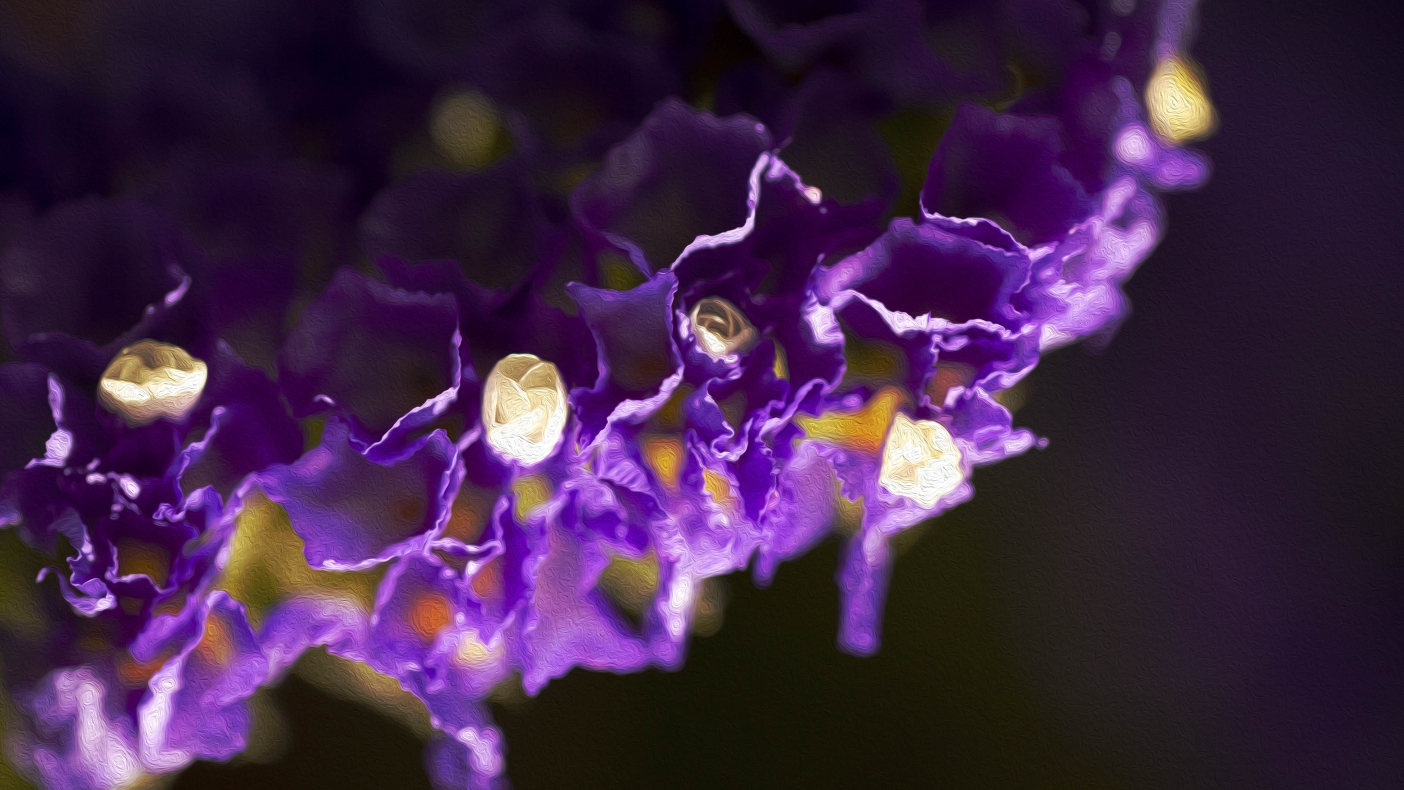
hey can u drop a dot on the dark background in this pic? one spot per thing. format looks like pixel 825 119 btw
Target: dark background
pixel 1199 583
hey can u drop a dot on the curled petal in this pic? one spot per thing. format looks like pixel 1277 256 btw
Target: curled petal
pixel 639 364
pixel 655 196
pixel 925 270
pixel 386 359
pixel 1005 167
pixel 197 707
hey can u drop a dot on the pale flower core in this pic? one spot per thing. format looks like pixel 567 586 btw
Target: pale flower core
pixel 720 328
pixel 524 408
pixel 920 461
pixel 1177 103
pixel 149 380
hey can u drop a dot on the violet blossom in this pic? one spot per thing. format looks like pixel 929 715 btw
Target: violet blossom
pixel 552 407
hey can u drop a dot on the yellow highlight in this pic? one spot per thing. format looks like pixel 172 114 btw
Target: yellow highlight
pixel 871 362
pixel 664 455
pixel 473 652
pixel 531 492
pixel 216 646
pixel 134 556
pixel 631 583
pixel 862 430
pixel 782 370
pixel 464 127
pixel 669 417
pixel 1178 103
pixel 267 564
pixel 618 273
pixel 718 486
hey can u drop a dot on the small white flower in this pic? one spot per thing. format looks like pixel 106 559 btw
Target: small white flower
pixel 150 380
pixel 920 461
pixel 720 328
pixel 524 408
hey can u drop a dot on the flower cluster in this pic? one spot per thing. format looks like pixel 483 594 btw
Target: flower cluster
pixel 525 434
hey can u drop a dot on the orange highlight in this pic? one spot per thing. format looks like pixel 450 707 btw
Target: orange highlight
pixel 664 455
pixel 429 615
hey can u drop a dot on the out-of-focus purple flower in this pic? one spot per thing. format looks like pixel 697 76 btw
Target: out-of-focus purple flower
pixel 198 706
pixel 1006 168
pixel 84 739
pixel 671 184
pixel 386 360
pixel 490 222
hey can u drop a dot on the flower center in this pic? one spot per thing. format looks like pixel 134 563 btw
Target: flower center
pixel 920 461
pixel 720 328
pixel 150 380
pixel 524 408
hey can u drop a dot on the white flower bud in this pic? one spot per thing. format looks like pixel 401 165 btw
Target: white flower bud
pixel 920 461
pixel 524 408
pixel 150 380
pixel 1178 106
pixel 720 328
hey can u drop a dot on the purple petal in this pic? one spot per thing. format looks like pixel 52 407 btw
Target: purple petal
pixel 926 270
pixel 353 512
pixel 385 359
pixel 83 739
pixel 197 707
pixel 682 175
pixel 639 365
pixel 1005 167
pixel 250 428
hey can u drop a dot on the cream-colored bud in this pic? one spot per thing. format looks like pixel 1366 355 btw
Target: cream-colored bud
pixel 1177 103
pixel 149 381
pixel 524 408
pixel 920 461
pixel 720 328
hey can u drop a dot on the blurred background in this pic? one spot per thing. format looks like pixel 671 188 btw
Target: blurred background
pixel 1200 582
